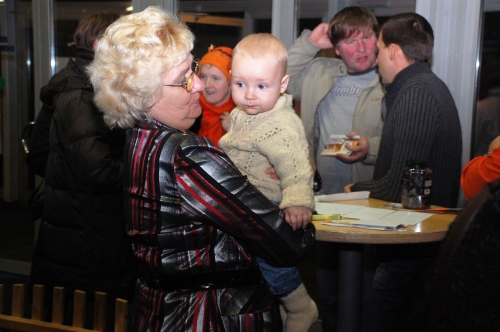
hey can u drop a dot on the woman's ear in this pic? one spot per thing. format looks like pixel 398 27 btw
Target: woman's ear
pixel 284 83
pixel 94 44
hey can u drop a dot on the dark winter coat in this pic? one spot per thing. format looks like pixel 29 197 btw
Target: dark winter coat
pixel 82 243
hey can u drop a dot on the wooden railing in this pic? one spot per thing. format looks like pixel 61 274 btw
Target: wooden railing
pixel 16 322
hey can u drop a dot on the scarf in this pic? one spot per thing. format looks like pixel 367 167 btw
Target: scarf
pixel 210 125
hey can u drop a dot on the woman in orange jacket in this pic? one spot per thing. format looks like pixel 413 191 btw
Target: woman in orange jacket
pixel 215 100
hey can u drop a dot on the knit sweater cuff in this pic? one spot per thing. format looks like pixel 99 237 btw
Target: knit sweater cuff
pixel 298 195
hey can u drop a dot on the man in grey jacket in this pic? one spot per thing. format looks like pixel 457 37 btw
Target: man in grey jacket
pixel 338 96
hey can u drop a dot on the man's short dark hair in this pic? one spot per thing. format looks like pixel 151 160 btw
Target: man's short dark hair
pixel 351 20
pixel 91 28
pixel 413 33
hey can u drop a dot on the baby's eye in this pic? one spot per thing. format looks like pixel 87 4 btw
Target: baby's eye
pixel 216 78
pixel 262 86
pixel 240 85
pixel 203 77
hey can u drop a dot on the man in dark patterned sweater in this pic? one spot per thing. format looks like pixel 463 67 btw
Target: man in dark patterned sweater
pixel 420 123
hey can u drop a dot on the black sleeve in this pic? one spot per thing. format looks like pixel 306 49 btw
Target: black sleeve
pixel 38 143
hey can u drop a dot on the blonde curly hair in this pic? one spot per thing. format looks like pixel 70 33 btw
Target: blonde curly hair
pixel 130 59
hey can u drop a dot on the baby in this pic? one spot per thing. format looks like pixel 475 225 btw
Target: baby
pixel 265 132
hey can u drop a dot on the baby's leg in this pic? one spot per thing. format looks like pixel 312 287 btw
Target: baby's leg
pixel 297 309
pixel 301 311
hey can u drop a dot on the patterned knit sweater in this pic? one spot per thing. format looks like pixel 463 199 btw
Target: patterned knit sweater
pixel 421 123
pixel 273 138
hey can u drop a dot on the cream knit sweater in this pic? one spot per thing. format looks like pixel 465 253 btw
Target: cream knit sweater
pixel 273 138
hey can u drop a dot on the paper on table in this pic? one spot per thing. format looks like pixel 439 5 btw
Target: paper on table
pixel 369 213
pixel 365 224
pixel 404 218
pixel 342 197
pixel 373 218
pixel 333 208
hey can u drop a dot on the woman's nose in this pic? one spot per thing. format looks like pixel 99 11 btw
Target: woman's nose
pixel 208 82
pixel 198 84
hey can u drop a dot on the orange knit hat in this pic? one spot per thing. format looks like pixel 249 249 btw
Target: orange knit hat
pixel 220 57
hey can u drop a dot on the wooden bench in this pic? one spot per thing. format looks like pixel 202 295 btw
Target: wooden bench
pixel 36 323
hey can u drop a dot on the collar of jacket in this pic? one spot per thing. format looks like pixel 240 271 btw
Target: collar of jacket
pixel 83 58
pixel 401 78
pixel 404 75
pixel 85 54
pixel 155 124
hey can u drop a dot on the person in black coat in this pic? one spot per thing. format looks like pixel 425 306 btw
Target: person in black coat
pixel 421 123
pixel 82 242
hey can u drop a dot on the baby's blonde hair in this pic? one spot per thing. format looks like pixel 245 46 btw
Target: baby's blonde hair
pixel 259 45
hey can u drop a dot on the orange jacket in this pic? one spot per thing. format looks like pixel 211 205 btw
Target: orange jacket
pixel 480 171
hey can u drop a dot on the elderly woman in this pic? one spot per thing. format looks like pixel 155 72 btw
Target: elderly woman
pixel 194 220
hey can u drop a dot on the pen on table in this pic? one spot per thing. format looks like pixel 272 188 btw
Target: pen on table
pixel 338 216
pixel 440 210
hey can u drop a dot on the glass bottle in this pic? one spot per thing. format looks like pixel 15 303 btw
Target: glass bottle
pixel 416 185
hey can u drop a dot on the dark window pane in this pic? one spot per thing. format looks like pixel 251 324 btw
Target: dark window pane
pixel 487 124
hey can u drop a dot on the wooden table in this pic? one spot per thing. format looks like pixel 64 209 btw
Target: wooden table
pixel 430 230
pixel 350 257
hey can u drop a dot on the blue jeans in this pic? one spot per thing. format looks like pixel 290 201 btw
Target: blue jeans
pixel 280 280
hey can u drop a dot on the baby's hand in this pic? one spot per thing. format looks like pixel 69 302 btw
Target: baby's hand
pixel 298 216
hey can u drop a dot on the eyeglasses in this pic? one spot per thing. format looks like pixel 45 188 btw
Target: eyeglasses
pixel 188 85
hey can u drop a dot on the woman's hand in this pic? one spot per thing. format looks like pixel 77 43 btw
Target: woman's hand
pixel 494 144
pixel 347 189
pixel 298 216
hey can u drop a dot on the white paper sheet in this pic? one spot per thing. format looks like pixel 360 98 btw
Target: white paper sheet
pixel 369 213
pixel 405 218
pixel 333 208
pixel 342 197
pixel 373 218
pixel 367 225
